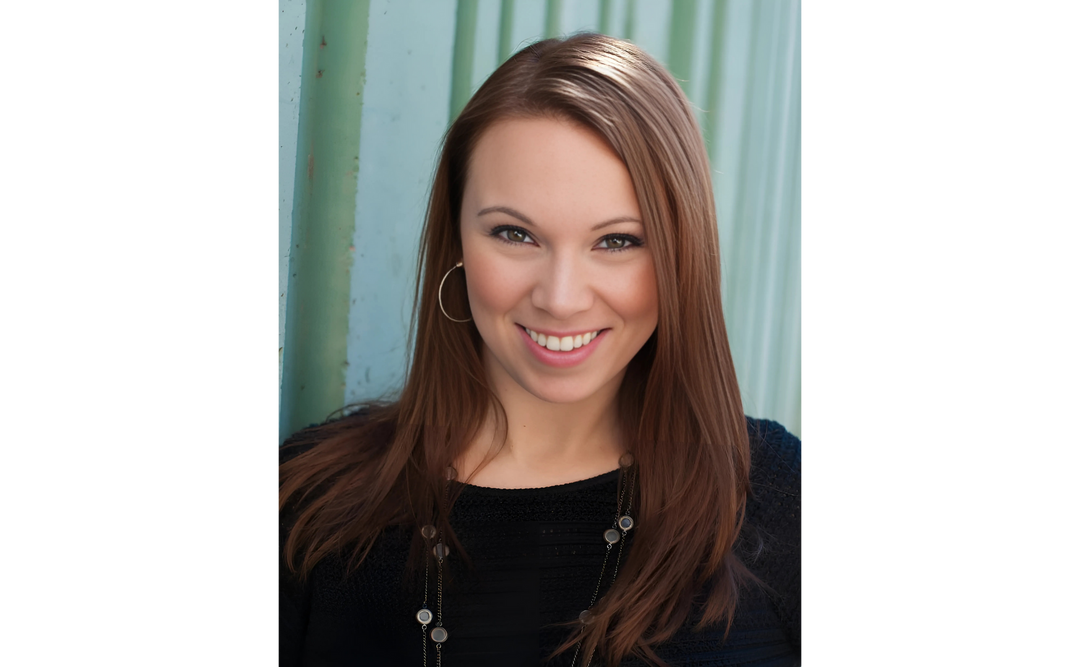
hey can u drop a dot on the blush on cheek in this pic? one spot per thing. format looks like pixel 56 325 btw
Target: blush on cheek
pixel 494 291
pixel 634 296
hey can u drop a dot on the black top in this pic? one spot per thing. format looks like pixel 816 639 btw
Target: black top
pixel 537 556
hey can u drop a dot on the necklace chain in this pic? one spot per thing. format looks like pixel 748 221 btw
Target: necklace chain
pixel 622 523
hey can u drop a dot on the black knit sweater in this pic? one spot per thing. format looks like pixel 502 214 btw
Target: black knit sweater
pixel 536 556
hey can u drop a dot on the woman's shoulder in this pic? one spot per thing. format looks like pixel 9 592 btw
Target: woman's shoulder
pixel 772 532
pixel 334 446
pixel 773 519
pixel 775 458
pixel 308 438
pixel 774 500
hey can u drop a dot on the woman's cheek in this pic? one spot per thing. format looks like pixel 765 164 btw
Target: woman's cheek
pixel 495 288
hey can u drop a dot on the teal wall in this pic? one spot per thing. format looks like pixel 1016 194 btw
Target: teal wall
pixel 290 56
pixel 373 107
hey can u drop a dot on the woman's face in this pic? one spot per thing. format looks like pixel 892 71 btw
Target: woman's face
pixel 554 254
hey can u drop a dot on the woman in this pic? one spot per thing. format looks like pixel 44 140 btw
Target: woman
pixel 568 474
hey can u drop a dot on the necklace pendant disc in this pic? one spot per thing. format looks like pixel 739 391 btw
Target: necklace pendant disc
pixel 626 460
pixel 626 523
pixel 585 617
pixel 441 551
pixel 424 616
pixel 428 531
pixel 611 536
pixel 439 635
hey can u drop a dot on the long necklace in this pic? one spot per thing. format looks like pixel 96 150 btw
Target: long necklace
pixel 612 536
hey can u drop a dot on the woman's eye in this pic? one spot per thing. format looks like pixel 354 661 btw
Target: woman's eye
pixel 619 242
pixel 512 235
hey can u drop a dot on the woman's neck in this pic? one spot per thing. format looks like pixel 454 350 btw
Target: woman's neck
pixel 545 443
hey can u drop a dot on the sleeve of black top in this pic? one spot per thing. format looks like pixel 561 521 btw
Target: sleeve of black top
pixel 294 597
pixel 294 602
pixel 776 483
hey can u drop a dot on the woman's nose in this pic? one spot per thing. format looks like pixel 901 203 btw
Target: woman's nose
pixel 563 287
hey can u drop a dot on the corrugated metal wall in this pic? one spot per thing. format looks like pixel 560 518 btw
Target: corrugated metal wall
pixel 380 82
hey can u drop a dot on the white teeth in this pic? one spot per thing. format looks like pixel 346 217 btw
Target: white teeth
pixel 563 344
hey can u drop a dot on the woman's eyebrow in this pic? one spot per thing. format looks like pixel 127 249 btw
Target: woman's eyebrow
pixel 525 219
pixel 509 211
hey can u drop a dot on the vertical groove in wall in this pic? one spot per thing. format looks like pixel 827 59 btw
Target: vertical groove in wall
pixel 740 221
pixel 799 218
pixel 464 47
pixel 771 178
pixel 792 377
pixel 681 41
pixel 763 230
pixel 317 324
pixel 787 376
pixel 798 302
pixel 606 19
pixel 506 27
pixel 782 255
pixel 747 223
pixel 711 126
pixel 776 212
pixel 551 18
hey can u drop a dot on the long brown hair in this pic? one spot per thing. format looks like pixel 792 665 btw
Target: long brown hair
pixel 679 402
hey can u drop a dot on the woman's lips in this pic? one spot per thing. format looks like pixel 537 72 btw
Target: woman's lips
pixel 562 359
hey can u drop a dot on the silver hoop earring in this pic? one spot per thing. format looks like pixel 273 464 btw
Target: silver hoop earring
pixel 441 282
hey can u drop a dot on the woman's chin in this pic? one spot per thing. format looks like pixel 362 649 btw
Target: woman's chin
pixel 567 397
pixel 566 391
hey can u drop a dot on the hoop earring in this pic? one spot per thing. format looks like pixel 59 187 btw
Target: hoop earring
pixel 441 282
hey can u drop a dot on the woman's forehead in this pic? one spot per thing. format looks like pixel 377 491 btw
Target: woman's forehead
pixel 548 168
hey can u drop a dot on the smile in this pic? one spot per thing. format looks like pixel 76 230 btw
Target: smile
pixel 563 343
pixel 549 348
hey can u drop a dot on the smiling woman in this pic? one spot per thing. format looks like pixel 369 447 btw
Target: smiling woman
pixel 568 475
